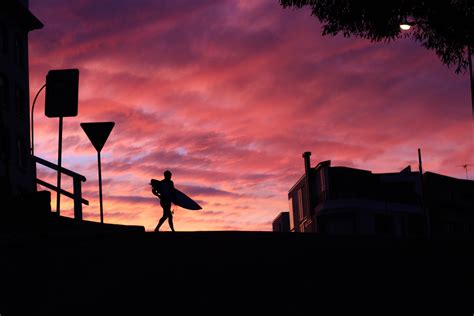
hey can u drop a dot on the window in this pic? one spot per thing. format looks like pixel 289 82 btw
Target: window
pixel 20 102
pixel 300 204
pixel 322 182
pixel 3 39
pixel 3 92
pixel 322 174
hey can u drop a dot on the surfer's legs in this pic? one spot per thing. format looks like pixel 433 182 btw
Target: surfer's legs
pixel 166 205
pixel 162 220
pixel 170 221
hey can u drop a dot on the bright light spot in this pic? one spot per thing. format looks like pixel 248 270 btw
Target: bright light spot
pixel 405 27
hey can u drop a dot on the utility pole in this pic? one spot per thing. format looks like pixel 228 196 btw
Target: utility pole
pixel 422 188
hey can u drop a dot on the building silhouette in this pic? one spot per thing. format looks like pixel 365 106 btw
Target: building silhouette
pixel 17 169
pixel 342 200
pixel 450 203
pixel 282 222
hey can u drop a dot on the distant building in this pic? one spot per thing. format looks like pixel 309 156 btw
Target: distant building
pixel 450 203
pixel 282 222
pixel 17 170
pixel 342 200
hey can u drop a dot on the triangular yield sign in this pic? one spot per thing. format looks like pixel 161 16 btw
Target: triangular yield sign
pixel 98 133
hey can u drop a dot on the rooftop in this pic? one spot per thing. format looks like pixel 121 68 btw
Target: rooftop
pixel 19 10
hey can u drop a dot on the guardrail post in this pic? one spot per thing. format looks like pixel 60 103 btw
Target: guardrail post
pixel 77 199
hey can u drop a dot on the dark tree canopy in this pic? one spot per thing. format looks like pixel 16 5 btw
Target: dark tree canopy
pixel 445 26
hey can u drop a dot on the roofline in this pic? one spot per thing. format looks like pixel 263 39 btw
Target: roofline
pixel 323 164
pixel 428 173
pixel 351 168
pixel 279 216
pixel 32 22
pixel 296 183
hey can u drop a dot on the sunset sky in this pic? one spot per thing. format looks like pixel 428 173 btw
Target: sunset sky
pixel 227 95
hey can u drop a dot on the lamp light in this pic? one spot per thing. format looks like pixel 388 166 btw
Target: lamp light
pixel 405 26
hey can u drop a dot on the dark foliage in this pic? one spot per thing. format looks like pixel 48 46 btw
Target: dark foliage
pixel 445 26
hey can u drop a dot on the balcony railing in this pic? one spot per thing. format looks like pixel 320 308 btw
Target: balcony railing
pixel 77 180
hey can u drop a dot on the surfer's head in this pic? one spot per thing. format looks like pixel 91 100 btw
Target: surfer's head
pixel 167 174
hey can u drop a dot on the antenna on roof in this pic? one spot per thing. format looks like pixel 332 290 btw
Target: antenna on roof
pixel 465 168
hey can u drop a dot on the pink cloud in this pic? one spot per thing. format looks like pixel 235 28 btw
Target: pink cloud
pixel 228 95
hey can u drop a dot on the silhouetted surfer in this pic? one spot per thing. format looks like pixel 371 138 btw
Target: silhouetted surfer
pixel 164 189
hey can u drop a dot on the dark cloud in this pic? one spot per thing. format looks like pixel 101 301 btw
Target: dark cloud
pixel 206 191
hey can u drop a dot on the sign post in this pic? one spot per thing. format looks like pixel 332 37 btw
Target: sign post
pixel 62 94
pixel 98 133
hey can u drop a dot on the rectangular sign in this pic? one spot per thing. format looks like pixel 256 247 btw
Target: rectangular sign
pixel 62 93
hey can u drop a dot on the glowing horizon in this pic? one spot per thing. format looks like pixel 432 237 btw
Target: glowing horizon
pixel 228 95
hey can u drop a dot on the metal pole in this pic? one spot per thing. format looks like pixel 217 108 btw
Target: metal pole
pixel 469 59
pixel 32 121
pixel 77 191
pixel 427 216
pixel 60 149
pixel 100 190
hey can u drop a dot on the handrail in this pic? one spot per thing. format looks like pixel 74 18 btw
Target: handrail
pixel 63 170
pixel 63 192
pixel 77 188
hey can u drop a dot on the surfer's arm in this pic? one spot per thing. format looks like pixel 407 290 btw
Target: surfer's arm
pixel 155 192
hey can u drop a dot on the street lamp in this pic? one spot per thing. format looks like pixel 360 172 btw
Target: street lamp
pixel 405 26
pixel 32 149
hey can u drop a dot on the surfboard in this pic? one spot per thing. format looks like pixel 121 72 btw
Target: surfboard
pixel 181 199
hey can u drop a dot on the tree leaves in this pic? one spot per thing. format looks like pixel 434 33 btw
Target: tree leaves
pixel 445 26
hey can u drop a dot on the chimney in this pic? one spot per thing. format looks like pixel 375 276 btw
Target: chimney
pixel 307 163
pixel 307 171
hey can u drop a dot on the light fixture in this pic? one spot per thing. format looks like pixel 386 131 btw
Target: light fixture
pixel 405 26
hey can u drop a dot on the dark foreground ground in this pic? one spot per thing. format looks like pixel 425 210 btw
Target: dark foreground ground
pixel 232 273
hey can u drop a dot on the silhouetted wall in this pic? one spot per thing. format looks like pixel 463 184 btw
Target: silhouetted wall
pixel 450 203
pixel 300 217
pixel 29 212
pixel 17 171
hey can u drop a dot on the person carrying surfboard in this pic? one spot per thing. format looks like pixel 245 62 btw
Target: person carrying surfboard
pixel 165 190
